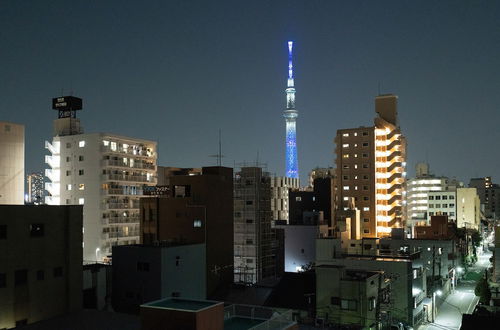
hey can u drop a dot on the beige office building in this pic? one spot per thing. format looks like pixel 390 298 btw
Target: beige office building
pixel 11 163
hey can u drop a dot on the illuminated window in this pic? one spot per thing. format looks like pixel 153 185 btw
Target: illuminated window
pixel 345 156
pixel 81 186
pixel 68 187
pixel 197 223
pixel 105 143
pixel 345 134
pixel 345 145
pixel 355 155
pixel 345 167
pixel 346 198
pixel 298 199
pixel 81 144
pixel 355 165
pixel 113 146
pixel 366 208
pixel 81 201
pixel 346 188
pixel 355 134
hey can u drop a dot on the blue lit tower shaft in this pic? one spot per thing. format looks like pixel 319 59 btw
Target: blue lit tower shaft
pixel 290 114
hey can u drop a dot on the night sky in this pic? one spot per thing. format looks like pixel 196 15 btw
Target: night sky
pixel 177 71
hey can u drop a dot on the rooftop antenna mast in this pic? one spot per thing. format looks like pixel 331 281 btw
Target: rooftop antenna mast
pixel 219 156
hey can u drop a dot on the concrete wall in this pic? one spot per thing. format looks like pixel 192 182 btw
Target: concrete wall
pixel 52 261
pixel 300 246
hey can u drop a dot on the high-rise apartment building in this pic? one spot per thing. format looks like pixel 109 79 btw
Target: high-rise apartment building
pixel 489 194
pixel 36 188
pixel 254 239
pixel 370 167
pixel 104 172
pixel 280 188
pixel 417 193
pixel 11 163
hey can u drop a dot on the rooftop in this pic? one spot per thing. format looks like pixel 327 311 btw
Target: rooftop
pixel 182 304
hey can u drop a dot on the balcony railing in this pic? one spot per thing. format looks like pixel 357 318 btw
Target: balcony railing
pixel 132 178
pixel 137 165
pixel 130 151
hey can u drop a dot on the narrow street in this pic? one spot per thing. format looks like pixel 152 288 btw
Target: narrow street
pixel 462 301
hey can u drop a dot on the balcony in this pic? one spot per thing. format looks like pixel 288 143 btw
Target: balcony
pixel 129 151
pixel 53 148
pixel 130 178
pixel 134 233
pixel 53 174
pixel 53 188
pixel 121 164
pixel 122 220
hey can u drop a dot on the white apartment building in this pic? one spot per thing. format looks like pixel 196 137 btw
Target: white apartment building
pixel 11 163
pixel 462 206
pixel 279 196
pixel 106 174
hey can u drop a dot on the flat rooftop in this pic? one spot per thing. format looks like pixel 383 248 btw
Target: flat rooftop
pixel 241 323
pixel 182 304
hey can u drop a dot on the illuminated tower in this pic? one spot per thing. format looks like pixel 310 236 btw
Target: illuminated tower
pixel 290 114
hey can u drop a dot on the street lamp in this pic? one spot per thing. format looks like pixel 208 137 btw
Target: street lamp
pixel 96 254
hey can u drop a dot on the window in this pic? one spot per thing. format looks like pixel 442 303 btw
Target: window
pixel 81 172
pixel 81 186
pixel 431 198
pixel 431 213
pixel 105 143
pixel 452 214
pixel 298 199
pixel 68 144
pixel 365 187
pixel 372 303
pixel 249 261
pixel 69 187
pixel 445 206
pixel 40 275
pixel 21 277
pixel 366 220
pixel 58 272
pixel 365 155
pixel 249 241
pixel 365 165
pixel 345 134
pixel 365 198
pixel 345 167
pixel 366 231
pixel 249 202
pixel 81 144
pixel 365 133
pixel 355 155
pixel 197 223
pixel 3 280
pixel 68 173
pixel 452 197
pixel 366 208
pixel 438 206
pixel 346 177
pixel 113 146
pixel 80 158
pixel 451 205
pixel 345 156
pixel 36 230
pixel 445 197
pixel 3 231
pixel 345 188
pixel 81 200
pixel 365 144
pixel 143 266
pixel 249 221
pixel 355 165
pixel 348 304
pixel 67 159
pixel 365 177
pixel 438 198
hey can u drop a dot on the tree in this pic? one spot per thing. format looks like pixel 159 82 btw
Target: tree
pixel 482 290
pixel 476 238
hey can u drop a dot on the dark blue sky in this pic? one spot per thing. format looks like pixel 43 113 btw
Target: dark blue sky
pixel 177 71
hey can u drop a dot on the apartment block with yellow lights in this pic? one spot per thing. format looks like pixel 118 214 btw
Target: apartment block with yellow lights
pixel 370 167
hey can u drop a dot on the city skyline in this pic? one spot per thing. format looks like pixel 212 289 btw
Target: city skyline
pixel 180 72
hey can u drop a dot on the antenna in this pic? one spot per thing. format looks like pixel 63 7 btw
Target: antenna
pixel 219 156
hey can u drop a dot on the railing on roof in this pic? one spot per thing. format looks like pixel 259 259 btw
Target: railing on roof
pixel 271 319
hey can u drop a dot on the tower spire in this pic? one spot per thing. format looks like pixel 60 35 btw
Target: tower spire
pixel 291 114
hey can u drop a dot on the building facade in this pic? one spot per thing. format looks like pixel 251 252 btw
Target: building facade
pixel 461 206
pixel 280 204
pixel 370 167
pixel 11 163
pixel 254 240
pixel 36 188
pixel 40 263
pixel 195 209
pixel 489 195
pixel 107 174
